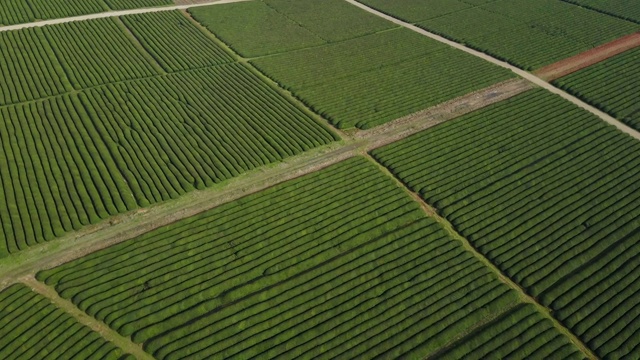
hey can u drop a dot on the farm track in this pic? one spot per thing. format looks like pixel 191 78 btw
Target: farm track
pixel 126 226
pixel 84 319
pixel 108 14
pixel 588 58
pixel 524 74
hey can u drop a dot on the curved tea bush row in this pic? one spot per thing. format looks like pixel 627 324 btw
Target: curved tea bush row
pixel 527 34
pixel 97 52
pixel 374 79
pixel 28 67
pixel 541 188
pixel 174 41
pixel 338 263
pixel 521 333
pixel 31 327
pixel 611 85
pixel 76 159
pixel 624 9
pixel 57 175
pixel 172 134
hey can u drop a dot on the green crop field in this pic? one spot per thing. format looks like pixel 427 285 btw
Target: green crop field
pixel 111 149
pixel 612 85
pixel 133 4
pixel 520 333
pixel 28 67
pixel 259 28
pixel 22 11
pixel 547 190
pixel 624 9
pixel 174 42
pixel 377 78
pixel 31 327
pixel 97 52
pixel 317 267
pixel 479 216
pixel 525 33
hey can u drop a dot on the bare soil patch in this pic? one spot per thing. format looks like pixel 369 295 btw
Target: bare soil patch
pixel 588 58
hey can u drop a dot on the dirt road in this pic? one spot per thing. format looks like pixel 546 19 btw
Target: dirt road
pixel 126 226
pixel 588 58
pixel 116 13
pixel 528 76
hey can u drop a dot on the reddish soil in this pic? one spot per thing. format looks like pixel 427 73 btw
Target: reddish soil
pixel 588 58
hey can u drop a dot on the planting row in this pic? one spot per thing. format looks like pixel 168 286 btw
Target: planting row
pixel 317 267
pixel 23 11
pixel 31 327
pixel 625 9
pixel 108 150
pixel 527 34
pixel 174 42
pixel 549 189
pixel 42 62
pixel 611 85
pixel 257 28
pixel 373 79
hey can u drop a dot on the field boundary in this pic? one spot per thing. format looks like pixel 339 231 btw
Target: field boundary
pixel 126 226
pixel 524 74
pixel 99 327
pixel 522 293
pixel 589 57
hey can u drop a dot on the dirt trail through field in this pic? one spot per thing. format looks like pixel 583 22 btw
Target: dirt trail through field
pixel 95 325
pixel 529 76
pixel 127 226
pixel 588 58
pixel 107 14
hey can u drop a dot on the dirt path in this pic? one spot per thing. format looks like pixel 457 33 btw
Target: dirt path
pixel 116 13
pixel 126 226
pixel 528 76
pixel 588 58
pixel 97 326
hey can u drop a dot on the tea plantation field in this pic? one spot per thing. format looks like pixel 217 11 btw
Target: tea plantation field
pixel 624 9
pixel 317 267
pixel 362 73
pixel 611 85
pixel 359 189
pixel 550 195
pixel 528 34
pixel 25 11
pixel 31 327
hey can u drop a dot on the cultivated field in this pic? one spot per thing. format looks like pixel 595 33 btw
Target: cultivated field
pixel 549 190
pixel 352 76
pixel 306 179
pixel 525 33
pixel 624 9
pixel 33 328
pixel 612 86
pixel 315 267
pixel 24 11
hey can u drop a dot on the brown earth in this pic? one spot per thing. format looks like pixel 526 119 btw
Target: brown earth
pixel 588 58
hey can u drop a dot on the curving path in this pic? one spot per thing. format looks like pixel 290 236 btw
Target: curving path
pixel 114 13
pixel 528 76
